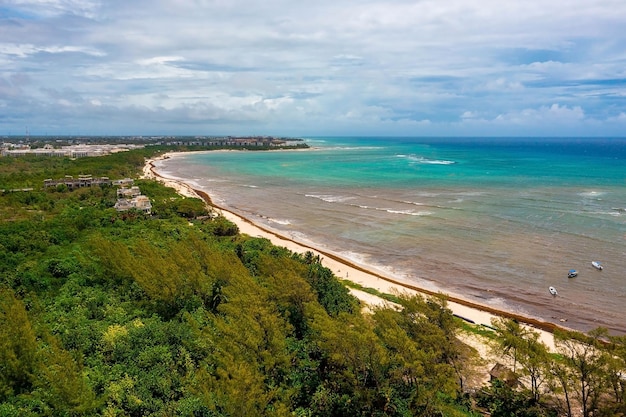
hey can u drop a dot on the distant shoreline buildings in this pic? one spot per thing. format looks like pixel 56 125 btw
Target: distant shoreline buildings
pixel 85 181
pixel 255 141
pixel 100 146
pixel 72 151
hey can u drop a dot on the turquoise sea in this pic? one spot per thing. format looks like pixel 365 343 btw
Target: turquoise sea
pixel 492 220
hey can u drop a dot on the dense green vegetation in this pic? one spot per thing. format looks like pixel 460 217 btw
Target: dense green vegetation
pixel 177 314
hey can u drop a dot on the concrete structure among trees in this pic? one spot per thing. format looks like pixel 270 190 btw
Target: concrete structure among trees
pixel 131 198
pixel 80 182
pixel 140 202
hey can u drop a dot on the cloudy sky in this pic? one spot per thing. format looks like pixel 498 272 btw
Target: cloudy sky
pixel 308 68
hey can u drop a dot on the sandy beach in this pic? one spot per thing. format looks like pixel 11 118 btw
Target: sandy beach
pixel 361 274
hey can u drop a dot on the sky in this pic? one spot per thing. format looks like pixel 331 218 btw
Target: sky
pixel 313 68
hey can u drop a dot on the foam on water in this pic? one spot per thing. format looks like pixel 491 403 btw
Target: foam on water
pixel 330 198
pixel 592 194
pixel 409 212
pixel 283 222
pixel 422 160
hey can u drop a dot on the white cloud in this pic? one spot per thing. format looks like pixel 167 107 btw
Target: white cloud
pixel 159 60
pixel 620 118
pixel 546 114
pixel 388 65
pixel 25 50
pixel 469 115
pixel 504 85
pixel 51 8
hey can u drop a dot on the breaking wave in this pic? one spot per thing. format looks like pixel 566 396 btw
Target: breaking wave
pixel 422 160
pixel 329 198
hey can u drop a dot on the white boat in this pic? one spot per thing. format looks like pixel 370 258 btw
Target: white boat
pixel 553 291
pixel 572 273
pixel 597 265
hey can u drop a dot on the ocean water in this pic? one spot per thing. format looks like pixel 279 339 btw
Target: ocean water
pixel 492 220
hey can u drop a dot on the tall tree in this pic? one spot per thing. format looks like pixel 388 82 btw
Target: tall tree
pixel 534 359
pixel 355 362
pixel 511 337
pixel 18 346
pixel 524 347
pixel 245 372
pixel 419 337
pixel 585 357
pixel 61 381
pixel 616 375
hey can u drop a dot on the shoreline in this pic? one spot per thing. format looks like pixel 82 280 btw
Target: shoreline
pixel 363 275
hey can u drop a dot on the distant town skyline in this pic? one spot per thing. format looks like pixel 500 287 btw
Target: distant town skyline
pixel 360 67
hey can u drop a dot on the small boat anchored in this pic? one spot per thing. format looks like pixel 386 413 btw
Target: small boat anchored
pixel 553 291
pixel 572 273
pixel 597 265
